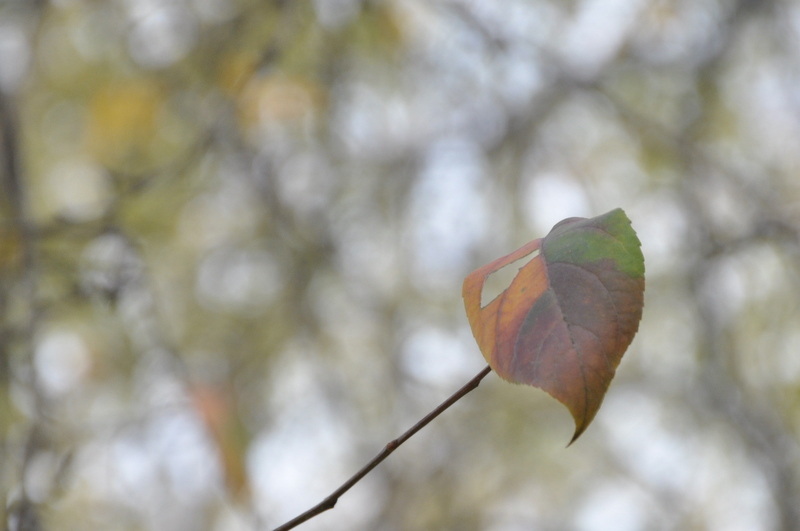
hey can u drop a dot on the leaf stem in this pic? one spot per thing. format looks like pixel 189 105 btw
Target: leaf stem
pixel 391 446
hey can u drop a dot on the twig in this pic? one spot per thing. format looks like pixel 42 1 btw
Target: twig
pixel 391 446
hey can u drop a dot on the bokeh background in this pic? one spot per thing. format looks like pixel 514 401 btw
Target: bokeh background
pixel 233 235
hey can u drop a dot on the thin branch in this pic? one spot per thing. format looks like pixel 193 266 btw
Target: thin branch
pixel 391 446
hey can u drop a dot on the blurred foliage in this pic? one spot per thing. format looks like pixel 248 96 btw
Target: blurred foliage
pixel 233 236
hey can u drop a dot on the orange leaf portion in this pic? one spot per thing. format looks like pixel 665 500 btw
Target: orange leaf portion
pixel 570 313
pixel 215 406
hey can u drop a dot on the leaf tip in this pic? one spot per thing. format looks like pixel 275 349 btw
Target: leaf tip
pixel 578 432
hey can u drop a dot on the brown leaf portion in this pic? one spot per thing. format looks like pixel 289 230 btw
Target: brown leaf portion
pixel 568 316
pixel 483 321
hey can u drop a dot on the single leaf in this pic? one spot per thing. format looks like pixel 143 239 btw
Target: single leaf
pixel 569 314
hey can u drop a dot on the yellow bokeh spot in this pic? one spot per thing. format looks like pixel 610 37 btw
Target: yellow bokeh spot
pixel 235 70
pixel 123 122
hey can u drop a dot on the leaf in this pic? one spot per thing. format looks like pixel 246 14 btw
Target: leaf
pixel 569 314
pixel 216 408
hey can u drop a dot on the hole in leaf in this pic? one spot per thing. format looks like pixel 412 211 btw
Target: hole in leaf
pixel 497 282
